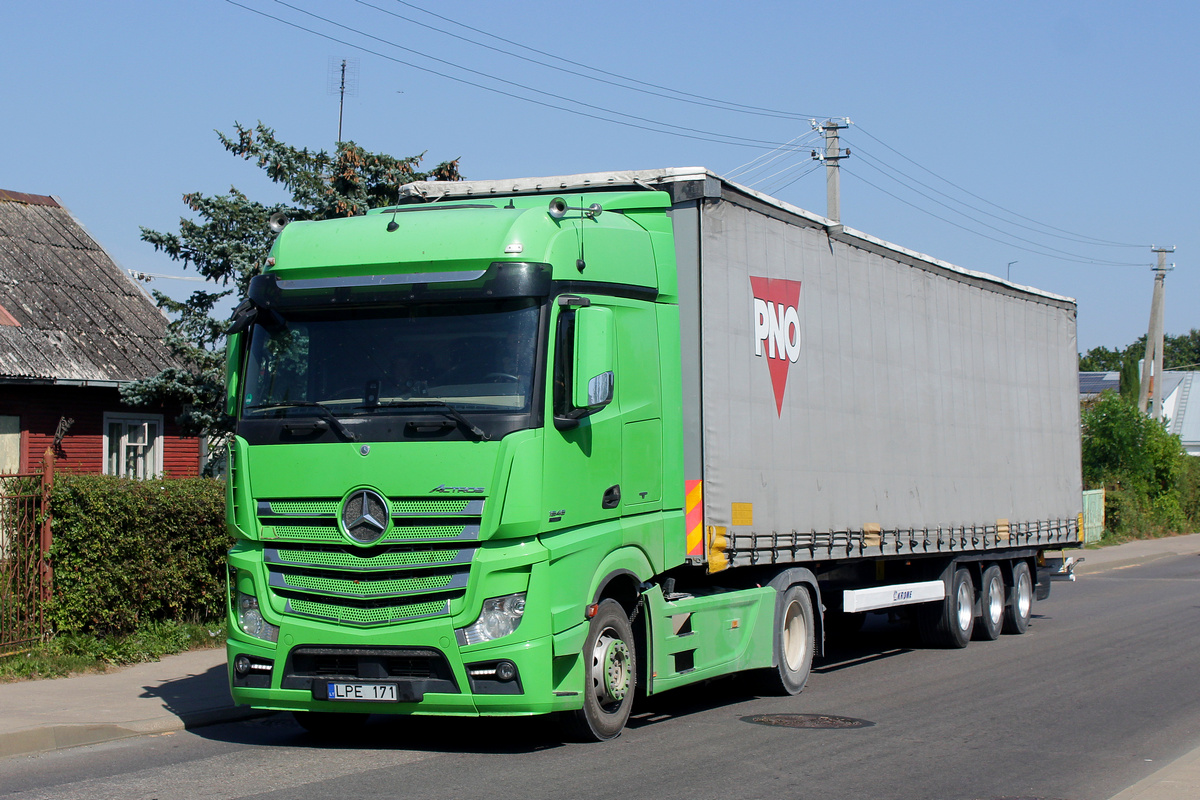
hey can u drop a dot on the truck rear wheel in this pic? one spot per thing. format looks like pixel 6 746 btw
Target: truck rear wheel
pixel 610 676
pixel 950 622
pixel 795 642
pixel 991 603
pixel 1020 600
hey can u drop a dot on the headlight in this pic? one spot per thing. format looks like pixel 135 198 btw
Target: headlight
pixel 500 617
pixel 251 621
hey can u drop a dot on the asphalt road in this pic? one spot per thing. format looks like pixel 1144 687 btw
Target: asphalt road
pixel 1103 690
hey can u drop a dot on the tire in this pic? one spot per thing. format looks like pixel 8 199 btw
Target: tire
pixel 992 598
pixel 1020 600
pixel 795 643
pixel 330 724
pixel 951 622
pixel 610 676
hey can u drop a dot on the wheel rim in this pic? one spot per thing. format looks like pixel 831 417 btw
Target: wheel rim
pixel 964 606
pixel 795 637
pixel 1024 595
pixel 610 670
pixel 995 607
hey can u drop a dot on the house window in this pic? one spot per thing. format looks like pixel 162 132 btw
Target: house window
pixel 133 445
pixel 10 444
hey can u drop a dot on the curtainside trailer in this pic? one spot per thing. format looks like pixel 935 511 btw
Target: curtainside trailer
pixel 540 445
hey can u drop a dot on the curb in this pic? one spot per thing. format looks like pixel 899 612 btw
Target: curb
pixel 1176 781
pixel 47 738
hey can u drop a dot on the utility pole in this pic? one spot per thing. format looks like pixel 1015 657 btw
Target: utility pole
pixel 1150 390
pixel 832 155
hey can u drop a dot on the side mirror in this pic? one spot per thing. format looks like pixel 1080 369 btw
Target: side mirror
pixel 234 345
pixel 592 380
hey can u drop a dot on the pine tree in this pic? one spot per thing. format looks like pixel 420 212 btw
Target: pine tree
pixel 228 241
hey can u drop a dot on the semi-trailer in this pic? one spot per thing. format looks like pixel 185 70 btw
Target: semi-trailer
pixel 541 445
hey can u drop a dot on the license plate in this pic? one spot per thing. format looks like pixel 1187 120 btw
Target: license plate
pixel 369 692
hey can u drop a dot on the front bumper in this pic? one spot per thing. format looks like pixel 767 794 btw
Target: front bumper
pixel 422 658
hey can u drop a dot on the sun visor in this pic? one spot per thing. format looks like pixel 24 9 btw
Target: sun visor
pixel 499 280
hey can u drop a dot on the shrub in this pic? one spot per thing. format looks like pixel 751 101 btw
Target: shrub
pixel 1152 487
pixel 127 553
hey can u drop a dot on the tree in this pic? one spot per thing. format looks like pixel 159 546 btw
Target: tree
pixel 228 243
pixel 1179 352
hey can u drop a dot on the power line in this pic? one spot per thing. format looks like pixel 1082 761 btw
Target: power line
pixel 746 169
pixel 985 224
pixel 666 93
pixel 725 103
pixel 1075 259
pixel 780 187
pixel 706 136
pixel 989 202
pixel 882 165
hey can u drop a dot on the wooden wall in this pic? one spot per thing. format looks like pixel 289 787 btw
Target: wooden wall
pixel 40 407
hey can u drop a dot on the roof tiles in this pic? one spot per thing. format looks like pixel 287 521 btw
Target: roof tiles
pixel 77 315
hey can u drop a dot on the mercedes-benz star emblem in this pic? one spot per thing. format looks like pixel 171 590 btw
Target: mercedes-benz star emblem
pixel 364 516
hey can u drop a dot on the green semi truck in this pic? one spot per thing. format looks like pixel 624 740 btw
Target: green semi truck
pixel 539 446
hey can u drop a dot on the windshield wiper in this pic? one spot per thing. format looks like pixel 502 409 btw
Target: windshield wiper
pixel 446 408
pixel 325 412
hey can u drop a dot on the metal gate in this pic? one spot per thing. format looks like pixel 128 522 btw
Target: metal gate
pixel 25 574
pixel 1093 515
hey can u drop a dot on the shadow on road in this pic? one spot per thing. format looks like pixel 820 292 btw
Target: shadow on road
pixel 191 698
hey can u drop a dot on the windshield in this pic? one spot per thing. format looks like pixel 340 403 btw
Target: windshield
pixel 474 356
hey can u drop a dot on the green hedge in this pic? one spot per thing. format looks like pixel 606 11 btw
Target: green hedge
pixel 129 552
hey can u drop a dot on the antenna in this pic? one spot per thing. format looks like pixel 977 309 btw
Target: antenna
pixel 343 80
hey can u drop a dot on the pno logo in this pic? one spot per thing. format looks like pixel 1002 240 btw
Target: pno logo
pixel 776 328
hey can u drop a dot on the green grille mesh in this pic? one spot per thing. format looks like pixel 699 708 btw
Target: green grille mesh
pixel 428 506
pixel 369 616
pixel 304 506
pixel 322 558
pixel 303 533
pixel 369 587
pixel 426 532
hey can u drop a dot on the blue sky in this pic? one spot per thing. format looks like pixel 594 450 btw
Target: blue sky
pixel 1080 117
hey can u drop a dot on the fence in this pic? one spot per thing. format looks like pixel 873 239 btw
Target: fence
pixel 1093 515
pixel 25 574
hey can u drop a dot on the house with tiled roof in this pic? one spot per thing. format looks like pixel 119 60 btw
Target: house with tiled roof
pixel 74 327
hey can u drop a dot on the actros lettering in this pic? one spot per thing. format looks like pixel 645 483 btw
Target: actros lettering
pixel 444 489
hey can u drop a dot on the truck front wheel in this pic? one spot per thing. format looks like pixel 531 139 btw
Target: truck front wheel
pixel 610 664
pixel 795 642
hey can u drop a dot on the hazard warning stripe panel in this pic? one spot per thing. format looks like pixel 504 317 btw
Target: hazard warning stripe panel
pixel 694 516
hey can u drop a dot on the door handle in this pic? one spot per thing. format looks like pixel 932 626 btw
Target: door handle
pixel 612 497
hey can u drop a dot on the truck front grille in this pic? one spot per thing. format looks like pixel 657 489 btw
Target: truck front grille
pixel 415 570
pixel 423 666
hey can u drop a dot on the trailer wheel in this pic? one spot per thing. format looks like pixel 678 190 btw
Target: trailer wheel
pixel 795 643
pixel 950 622
pixel 991 602
pixel 1020 600
pixel 330 724
pixel 610 665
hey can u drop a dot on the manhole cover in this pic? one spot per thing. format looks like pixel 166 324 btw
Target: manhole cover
pixel 807 721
